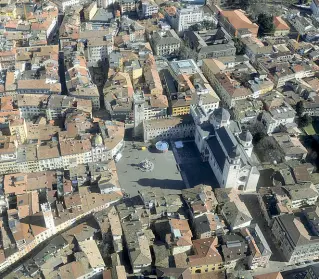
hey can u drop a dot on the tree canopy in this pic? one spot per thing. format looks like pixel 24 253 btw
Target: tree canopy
pixel 186 52
pixel 269 151
pixel 195 27
pixel 258 131
pixel 205 24
pixel 208 24
pixel 266 24
pixel 240 47
pixel 244 4
pixel 300 108
pixel 304 120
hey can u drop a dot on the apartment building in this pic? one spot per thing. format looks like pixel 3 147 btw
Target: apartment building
pixel 59 105
pixel 206 257
pixel 185 17
pixel 127 6
pixel 64 151
pixel 27 235
pixel 89 94
pixel 78 80
pixel 146 8
pixel 228 88
pixel 283 67
pixel 98 49
pixel 236 21
pixel 155 107
pixel 165 43
pixel 105 3
pixel 63 4
pixel 277 113
pixel 168 128
pixel 138 246
pixel 118 93
pixel 281 27
pixel 90 11
pixel 259 252
pixel 18 128
pixel 7 59
pixel 31 105
pixel 152 80
pixel 290 146
pixel 294 240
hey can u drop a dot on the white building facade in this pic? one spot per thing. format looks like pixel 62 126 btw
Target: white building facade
pixel 186 17
pixel 167 128
pixel 228 157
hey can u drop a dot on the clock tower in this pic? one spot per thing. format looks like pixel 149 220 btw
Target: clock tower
pixel 138 110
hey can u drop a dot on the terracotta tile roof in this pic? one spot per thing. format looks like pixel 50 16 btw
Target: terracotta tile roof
pixel 152 78
pixel 28 204
pixel 179 224
pixel 233 87
pixel 115 223
pixel 73 200
pixel 210 275
pixel 15 183
pixel 159 101
pixel 69 147
pixel 205 252
pixel 180 260
pixel 280 24
pixel 2 256
pixel 7 144
pixel 72 270
pixel 40 180
pixel 31 99
pixel 48 151
pixel 6 103
pixel 238 19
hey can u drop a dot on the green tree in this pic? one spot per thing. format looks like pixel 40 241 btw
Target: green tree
pixel 300 108
pixel 240 47
pixel 195 27
pixel 269 150
pixel 186 52
pixel 205 24
pixel 304 120
pixel 266 24
pixel 258 131
pixel 244 4
pixel 208 24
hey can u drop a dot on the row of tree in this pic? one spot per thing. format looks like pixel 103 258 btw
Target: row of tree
pixel 266 25
pixel 304 119
pixel 204 25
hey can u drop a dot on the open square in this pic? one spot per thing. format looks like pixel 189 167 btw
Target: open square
pixel 165 174
pixel 193 169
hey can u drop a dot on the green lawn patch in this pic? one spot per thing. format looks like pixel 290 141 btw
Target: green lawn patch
pixel 309 130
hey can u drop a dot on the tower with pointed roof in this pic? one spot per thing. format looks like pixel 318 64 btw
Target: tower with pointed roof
pixel 246 140
pixel 48 217
pixel 220 118
pixel 138 110
pixel 227 154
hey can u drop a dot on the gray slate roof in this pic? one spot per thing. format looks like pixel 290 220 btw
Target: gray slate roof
pixel 235 215
pixel 170 38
